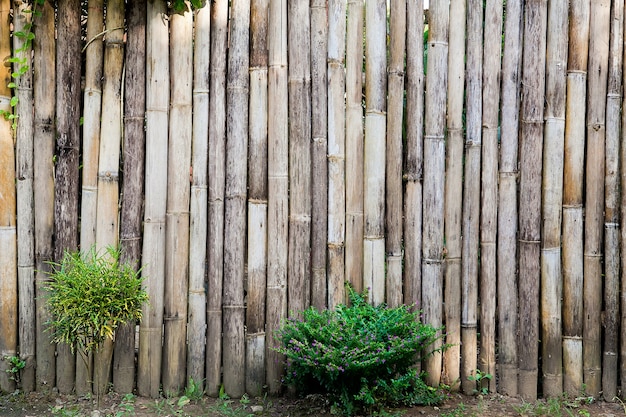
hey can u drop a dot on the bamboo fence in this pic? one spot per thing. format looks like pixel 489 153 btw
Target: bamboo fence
pixel 254 156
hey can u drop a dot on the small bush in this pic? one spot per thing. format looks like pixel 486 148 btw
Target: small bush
pixel 362 356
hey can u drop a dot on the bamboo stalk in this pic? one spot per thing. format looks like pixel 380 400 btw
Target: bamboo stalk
pixel 153 252
pixel 599 28
pixel 453 195
pixel 434 182
pixel 531 134
pixel 395 109
pixel 354 142
pixel 217 157
pixel 336 196
pixel 552 197
pixel 622 238
pixel 471 195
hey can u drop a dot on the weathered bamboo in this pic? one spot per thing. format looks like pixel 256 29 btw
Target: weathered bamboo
pixel 471 195
pixel 336 196
pixel 531 134
pixel 68 79
pixel 278 187
pixel 235 208
pixel 374 149
pixel 354 142
pixel 573 171
pixel 257 200
pixel 217 158
pixel 610 364
pixel 320 22
pixel 599 28
pixel 8 231
pixel 552 198
pixel 434 182
pixel 44 81
pixel 196 326
pixel 153 253
pixel 395 109
pixel 622 237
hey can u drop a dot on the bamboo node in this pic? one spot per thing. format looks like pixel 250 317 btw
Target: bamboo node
pixel 336 158
pixel 332 245
pixel 432 261
pixel 198 91
pixel 611 225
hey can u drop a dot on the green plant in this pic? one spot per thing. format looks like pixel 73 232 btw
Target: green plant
pixel 194 391
pixel 127 406
pixel 224 406
pixel 361 355
pixel 482 381
pixel 16 364
pixel 459 411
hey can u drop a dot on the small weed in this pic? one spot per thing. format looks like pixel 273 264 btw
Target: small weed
pixel 127 406
pixel 194 390
pixel 224 406
pixel 555 407
pixel 16 364
pixel 482 381
pixel 459 411
pixel 62 411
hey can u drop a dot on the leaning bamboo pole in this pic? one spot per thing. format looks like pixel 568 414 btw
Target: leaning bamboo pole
pixel 552 198
pixel 336 196
pixel 196 326
pixel 217 158
pixel 354 142
pixel 237 105
pixel 599 29
pixel 453 195
pixel 434 182
pixel 319 161
pixel 393 184
pixel 257 200
pixel 531 135
pixel 153 253
pixel 471 195
pixel 573 172
pixel 44 93
pixel 507 199
pixel 278 187
pixel 610 364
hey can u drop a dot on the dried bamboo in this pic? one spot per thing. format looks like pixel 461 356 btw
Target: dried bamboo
pixel 217 158
pixel 278 187
pixel 354 142
pixel 471 195
pixel 257 200
pixel 8 231
pixel 44 81
pixel 552 198
pixel 153 253
pixel 196 326
pixel 573 171
pixel 599 28
pixel 395 109
pixel 374 149
pixel 610 365
pixel 68 79
pixel 336 196
pixel 453 195
pixel 622 237
pixel 434 173
pixel 237 89
pixel 531 134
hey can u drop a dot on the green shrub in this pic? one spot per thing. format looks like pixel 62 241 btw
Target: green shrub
pixel 362 356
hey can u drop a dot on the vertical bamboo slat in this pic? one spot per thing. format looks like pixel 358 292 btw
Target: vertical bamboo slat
pixel 622 238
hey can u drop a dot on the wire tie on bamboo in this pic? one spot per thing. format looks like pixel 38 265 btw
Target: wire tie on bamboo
pixel 472 325
pixel 529 241
pixel 611 225
pixel 432 261
pixel 333 246
pixel 200 91
pixel 593 255
pixel 576 338
pixel 197 292
pixel 257 201
pixel 434 137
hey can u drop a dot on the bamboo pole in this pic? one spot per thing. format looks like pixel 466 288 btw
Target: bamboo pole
pixel 257 200
pixel 320 22
pixel 573 171
pixel 395 109
pixel 196 326
pixel 217 158
pixel 235 210
pixel 153 252
pixel 610 365
pixel 354 142
pixel 471 195
pixel 599 28
pixel 278 187
pixel 552 198
pixel 507 199
pixel 434 182
pixel 531 134
pixel 68 79
pixel 374 149
pixel 44 80
pixel 622 237
pixel 336 196
pixel 453 195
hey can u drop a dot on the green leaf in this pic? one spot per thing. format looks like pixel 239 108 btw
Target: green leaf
pixel 12 85
pixel 14 101
pixel 19 34
pixel 30 36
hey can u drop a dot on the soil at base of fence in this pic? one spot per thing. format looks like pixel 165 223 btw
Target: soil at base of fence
pixel 457 405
